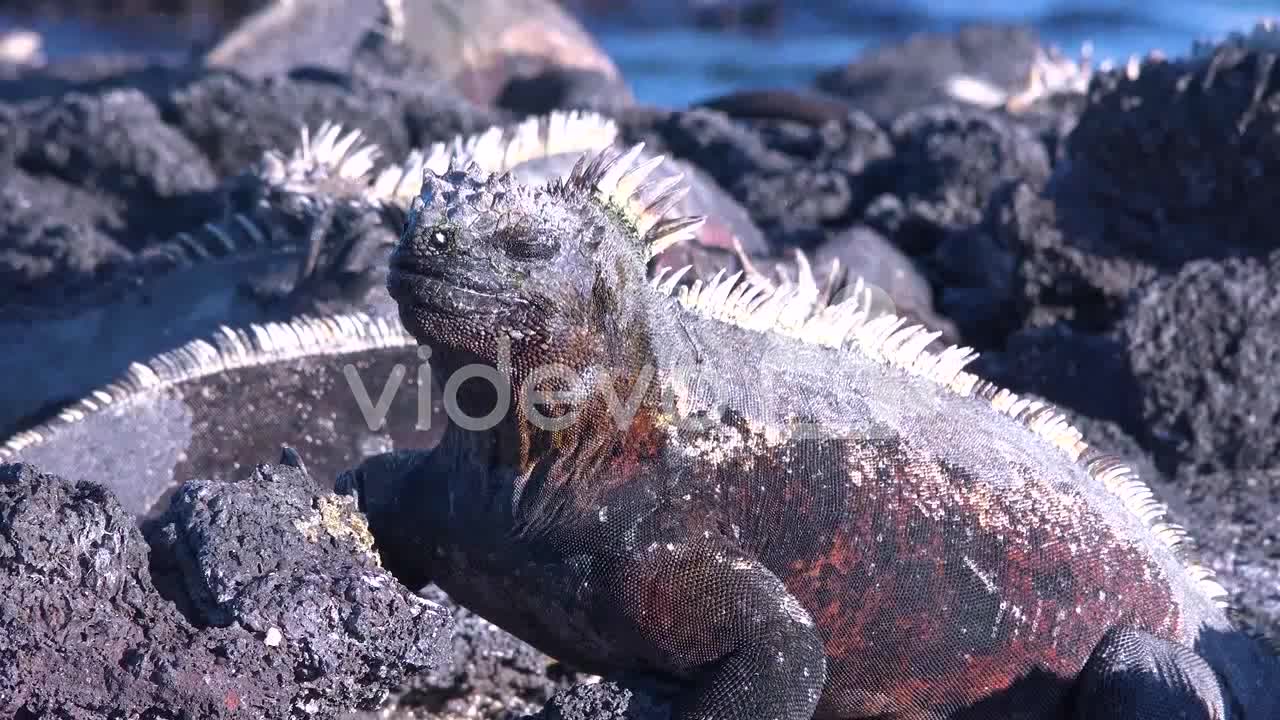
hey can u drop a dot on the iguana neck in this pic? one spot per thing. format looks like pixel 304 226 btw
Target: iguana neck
pixel 570 412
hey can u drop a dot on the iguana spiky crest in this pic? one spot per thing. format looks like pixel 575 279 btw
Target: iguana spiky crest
pixel 499 150
pixel 334 154
pixel 338 162
pixel 228 349
pixel 618 184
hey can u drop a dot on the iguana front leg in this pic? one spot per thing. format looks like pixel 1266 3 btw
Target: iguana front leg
pixel 1133 675
pixel 742 645
pixel 699 612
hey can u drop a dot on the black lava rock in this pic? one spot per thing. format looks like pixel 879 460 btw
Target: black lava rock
pixel 1184 158
pixel 305 621
pixel 491 671
pixel 98 171
pixel 1188 371
pixel 602 701
pixel 899 77
pixel 1203 347
pixel 1242 543
pixel 948 164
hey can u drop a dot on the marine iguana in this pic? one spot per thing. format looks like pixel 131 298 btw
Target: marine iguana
pixel 788 515
pixel 306 232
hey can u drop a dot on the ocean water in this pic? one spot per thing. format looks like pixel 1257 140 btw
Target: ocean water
pixel 669 61
pixel 673 65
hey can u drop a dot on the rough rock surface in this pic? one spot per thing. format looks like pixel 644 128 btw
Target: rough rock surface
pixel 949 163
pixel 795 180
pixel 898 77
pixel 1241 540
pixel 602 701
pixel 925 183
pixel 293 613
pixel 1183 157
pixel 491 672
pixel 97 172
pixel 1192 414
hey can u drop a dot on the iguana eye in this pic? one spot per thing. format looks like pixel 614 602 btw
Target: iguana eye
pixel 527 247
pixel 442 237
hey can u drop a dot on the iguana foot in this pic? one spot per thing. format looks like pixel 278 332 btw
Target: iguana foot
pixel 1133 675
pixel 762 657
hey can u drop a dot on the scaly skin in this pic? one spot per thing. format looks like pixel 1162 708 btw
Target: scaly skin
pixel 789 511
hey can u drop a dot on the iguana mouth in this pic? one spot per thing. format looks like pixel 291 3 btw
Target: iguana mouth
pixel 421 285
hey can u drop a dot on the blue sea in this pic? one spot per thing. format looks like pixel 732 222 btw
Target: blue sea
pixel 673 66
pixel 668 61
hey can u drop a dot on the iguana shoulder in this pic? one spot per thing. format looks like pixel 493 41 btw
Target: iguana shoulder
pixel 798 494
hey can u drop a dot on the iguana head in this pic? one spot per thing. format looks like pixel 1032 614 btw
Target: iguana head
pixel 484 259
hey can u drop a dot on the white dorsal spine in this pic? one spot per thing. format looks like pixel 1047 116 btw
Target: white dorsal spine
pixel 498 150
pixel 228 349
pixel 615 180
pixel 849 326
pixel 333 153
